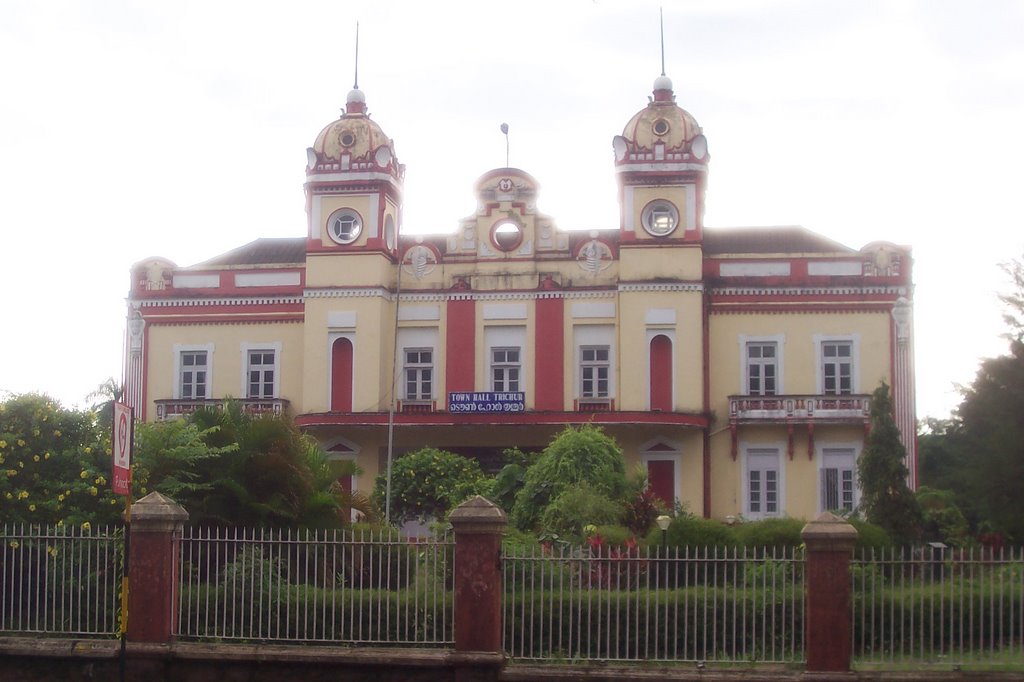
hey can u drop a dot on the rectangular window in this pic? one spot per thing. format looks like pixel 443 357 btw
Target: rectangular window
pixel 192 378
pixel 762 368
pixel 763 484
pixel 838 479
pixel 419 373
pixel 595 369
pixel 837 367
pixel 260 374
pixel 505 370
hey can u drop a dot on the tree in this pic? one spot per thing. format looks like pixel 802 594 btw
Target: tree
pixel 575 457
pixel 427 483
pixel 54 464
pixel 885 497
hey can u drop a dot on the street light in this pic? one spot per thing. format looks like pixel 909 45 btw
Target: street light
pixel 663 522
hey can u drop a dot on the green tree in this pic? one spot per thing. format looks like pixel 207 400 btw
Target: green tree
pixel 576 456
pixel 428 483
pixel 54 464
pixel 885 497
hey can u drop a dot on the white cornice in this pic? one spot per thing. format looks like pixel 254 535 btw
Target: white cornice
pixel 656 286
pixel 208 302
pixel 808 291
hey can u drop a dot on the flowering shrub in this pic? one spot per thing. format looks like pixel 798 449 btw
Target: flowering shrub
pixel 428 483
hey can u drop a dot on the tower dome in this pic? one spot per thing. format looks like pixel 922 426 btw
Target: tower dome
pixel 661 132
pixel 354 142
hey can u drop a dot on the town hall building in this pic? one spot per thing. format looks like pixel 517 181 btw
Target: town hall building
pixel 734 365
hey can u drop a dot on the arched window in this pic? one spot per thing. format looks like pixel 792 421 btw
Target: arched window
pixel 661 373
pixel 341 376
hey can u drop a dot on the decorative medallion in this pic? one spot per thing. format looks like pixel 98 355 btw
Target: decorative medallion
pixel 594 256
pixel 419 261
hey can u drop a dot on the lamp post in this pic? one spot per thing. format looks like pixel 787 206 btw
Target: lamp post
pixel 663 522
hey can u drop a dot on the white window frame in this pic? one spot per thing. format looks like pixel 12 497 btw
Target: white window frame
pixel 832 451
pixel 178 350
pixel 422 369
pixel 418 338
pixel 780 345
pixel 272 347
pixel 591 372
pixel 594 336
pixel 819 346
pixel 505 338
pixel 506 373
pixel 759 454
pixel 675 455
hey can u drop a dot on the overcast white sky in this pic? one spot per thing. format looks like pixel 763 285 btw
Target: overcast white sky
pixel 138 128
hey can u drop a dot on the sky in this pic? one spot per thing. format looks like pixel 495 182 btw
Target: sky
pixel 131 129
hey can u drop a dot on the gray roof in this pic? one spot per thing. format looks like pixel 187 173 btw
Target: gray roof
pixel 757 240
pixel 267 251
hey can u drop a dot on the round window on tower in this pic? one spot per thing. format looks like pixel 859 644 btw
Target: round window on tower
pixel 348 138
pixel 507 235
pixel 344 226
pixel 660 127
pixel 660 218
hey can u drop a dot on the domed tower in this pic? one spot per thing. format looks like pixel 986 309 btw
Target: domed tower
pixel 353 186
pixel 661 163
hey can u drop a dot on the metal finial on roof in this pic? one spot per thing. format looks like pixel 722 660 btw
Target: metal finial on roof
pixel 661 21
pixel 356 85
pixel 504 130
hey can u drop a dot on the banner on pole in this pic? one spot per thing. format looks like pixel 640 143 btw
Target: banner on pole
pixel 122 450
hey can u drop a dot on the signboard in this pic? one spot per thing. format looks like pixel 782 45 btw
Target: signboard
pixel 122 450
pixel 480 403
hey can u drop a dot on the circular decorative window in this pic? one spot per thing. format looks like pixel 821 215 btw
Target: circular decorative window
pixel 389 232
pixel 660 127
pixel 344 226
pixel 660 218
pixel 347 138
pixel 507 235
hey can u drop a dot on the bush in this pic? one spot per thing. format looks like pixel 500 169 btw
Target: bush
pixel 784 532
pixel 870 537
pixel 576 507
pixel 428 483
pixel 574 457
pixel 692 531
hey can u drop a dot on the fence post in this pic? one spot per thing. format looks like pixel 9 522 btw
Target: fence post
pixel 155 527
pixel 828 615
pixel 478 526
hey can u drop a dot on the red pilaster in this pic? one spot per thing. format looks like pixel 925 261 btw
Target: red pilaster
pixel 550 353
pixel 478 525
pixel 829 541
pixel 460 345
pixel 155 528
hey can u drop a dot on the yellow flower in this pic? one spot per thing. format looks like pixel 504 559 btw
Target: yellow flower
pixel 9 496
pixel 21 465
pixel 35 458
pixel 22 494
pixel 60 498
pixel 113 501
pixel 93 490
pixel 46 456
pixel 67 492
pixel 21 443
pixel 52 551
pixel 3 444
pixel 56 433
pixel 88 451
pixel 31 507
pixel 60 523
pixel 11 473
pixel 14 544
pixel 35 432
pixel 86 526
pixel 84 474
pixel 100 480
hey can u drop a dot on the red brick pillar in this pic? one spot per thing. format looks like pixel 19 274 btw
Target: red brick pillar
pixel 155 528
pixel 829 541
pixel 478 526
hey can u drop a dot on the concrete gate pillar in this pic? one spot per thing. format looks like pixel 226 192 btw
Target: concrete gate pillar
pixel 155 528
pixel 828 619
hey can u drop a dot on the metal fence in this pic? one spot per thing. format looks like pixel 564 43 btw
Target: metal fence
pixel 60 580
pixel 315 586
pixel 689 604
pixel 939 606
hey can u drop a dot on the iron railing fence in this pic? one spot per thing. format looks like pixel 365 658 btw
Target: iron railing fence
pixel 958 607
pixel 60 580
pixel 684 604
pixel 353 587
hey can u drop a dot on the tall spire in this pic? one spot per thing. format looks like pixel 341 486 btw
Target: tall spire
pixel 661 21
pixel 356 85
